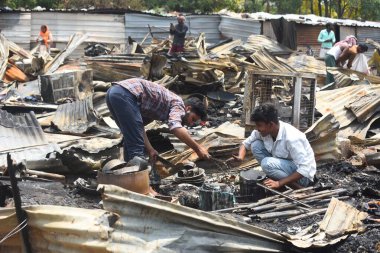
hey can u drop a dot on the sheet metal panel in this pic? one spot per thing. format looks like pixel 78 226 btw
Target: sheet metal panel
pixel 16 27
pixel 364 33
pixel 22 136
pixel 334 101
pixel 105 28
pixel 136 26
pixel 239 28
pixel 151 225
pixel 76 117
pixel 59 229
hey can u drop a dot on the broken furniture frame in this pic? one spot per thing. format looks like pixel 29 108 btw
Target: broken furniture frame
pixel 261 87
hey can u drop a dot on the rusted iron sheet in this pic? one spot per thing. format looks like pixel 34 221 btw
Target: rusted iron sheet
pixel 256 42
pixel 306 64
pixel 76 117
pixel 59 229
pixel 334 101
pixel 152 225
pixel 266 61
pixel 23 138
pixel 322 137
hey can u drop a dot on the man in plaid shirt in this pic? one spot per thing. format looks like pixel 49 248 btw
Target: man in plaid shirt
pixel 135 102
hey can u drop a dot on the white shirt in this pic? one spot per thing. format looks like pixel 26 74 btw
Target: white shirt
pixel 335 51
pixel 290 144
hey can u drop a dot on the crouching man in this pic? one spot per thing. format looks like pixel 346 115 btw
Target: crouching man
pixel 283 152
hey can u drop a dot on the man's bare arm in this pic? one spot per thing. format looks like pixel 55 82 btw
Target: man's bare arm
pixel 182 134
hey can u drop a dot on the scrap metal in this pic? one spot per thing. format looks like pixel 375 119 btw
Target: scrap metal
pixel 76 117
pixel 22 136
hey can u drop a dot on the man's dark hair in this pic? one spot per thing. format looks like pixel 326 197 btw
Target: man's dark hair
pixel 197 107
pixel 363 47
pixel 328 25
pixel 265 113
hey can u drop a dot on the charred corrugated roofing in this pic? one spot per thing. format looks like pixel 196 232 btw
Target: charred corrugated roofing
pixel 22 137
pixel 337 102
pixel 75 117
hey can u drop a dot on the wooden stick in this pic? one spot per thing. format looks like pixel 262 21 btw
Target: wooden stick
pixel 274 215
pixel 305 215
pixel 45 174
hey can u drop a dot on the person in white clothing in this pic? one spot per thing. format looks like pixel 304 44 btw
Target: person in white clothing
pixel 283 152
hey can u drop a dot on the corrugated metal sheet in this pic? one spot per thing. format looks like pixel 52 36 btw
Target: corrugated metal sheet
pixel 136 26
pixel 76 117
pixel 322 137
pixel 207 24
pixel 334 101
pixel 23 138
pixel 106 28
pixel 59 229
pixel 16 27
pixel 256 42
pixel 239 28
pixel 143 224
pixel 151 225
pixel 364 33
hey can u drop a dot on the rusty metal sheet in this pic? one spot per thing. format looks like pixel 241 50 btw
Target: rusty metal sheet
pixel 334 101
pixel 59 229
pixel 22 136
pixel 256 42
pixel 151 225
pixel 266 61
pixel 76 117
pixel 322 137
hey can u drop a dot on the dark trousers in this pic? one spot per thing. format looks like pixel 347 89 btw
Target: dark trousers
pixel 330 62
pixel 125 110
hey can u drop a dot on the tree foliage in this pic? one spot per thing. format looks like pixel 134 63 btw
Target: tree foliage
pixel 354 9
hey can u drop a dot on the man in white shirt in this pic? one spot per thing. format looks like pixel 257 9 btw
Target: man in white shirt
pixel 283 152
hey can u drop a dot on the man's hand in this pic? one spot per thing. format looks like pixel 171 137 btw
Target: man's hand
pixel 272 184
pixel 153 155
pixel 234 158
pixel 203 153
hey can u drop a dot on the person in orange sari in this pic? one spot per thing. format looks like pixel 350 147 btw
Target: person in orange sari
pixel 45 39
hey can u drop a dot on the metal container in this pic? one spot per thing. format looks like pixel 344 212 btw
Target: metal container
pixel 249 190
pixel 133 181
pixel 215 196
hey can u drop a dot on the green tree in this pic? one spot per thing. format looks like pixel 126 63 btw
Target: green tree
pixel 288 6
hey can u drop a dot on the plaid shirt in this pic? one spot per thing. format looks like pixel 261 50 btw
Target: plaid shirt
pixel 156 102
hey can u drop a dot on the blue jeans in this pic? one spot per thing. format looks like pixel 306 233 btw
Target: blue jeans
pixel 125 110
pixel 275 168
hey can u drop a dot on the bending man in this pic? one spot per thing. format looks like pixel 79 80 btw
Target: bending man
pixel 134 103
pixel 283 152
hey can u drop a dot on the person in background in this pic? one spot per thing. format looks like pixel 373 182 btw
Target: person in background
pixel 327 38
pixel 339 54
pixel 44 39
pixel 179 32
pixel 349 41
pixel 283 152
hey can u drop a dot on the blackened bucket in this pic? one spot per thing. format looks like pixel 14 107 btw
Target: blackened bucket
pixel 249 190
